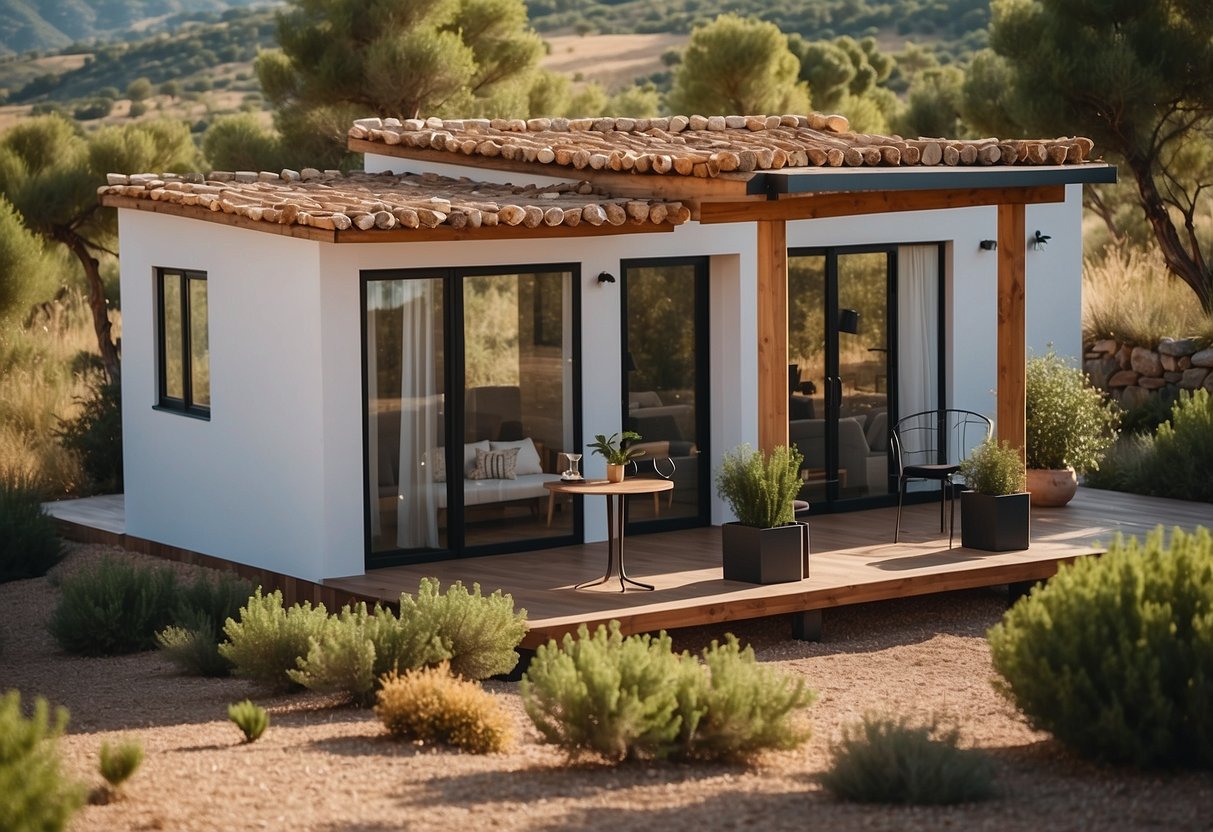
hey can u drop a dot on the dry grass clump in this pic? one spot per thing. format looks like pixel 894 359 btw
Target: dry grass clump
pixel 431 705
pixel 1129 295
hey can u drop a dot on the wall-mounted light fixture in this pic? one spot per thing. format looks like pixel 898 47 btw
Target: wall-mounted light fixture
pixel 988 245
pixel 606 277
pixel 1038 241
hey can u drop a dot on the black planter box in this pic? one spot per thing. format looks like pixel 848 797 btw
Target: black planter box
pixel 995 524
pixel 765 556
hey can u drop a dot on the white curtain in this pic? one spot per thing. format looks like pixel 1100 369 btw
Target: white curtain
pixel 417 509
pixel 917 328
pixel 372 415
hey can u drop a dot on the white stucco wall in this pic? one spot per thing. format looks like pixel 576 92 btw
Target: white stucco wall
pixel 274 479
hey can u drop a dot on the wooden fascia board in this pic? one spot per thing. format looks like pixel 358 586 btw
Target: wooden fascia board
pixel 399 235
pixel 820 206
pixel 672 187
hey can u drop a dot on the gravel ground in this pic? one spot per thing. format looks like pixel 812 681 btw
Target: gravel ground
pixel 324 766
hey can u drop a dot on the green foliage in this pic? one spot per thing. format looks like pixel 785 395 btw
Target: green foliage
pixel 627 698
pixel 1114 655
pixel 612 696
pixel 734 707
pixel 479 632
pixel 111 607
pixel 613 449
pixel 1182 456
pixel 95 434
pixel 192 642
pixel 1128 295
pixel 241 143
pixel 29 543
pixel 1069 424
pixel 34 795
pixel 760 488
pixel 887 760
pixel 251 719
pixel 1129 76
pixel 432 705
pixel 119 762
pixel 994 468
pixel 25 270
pixel 268 640
pixel 355 649
pixel 738 65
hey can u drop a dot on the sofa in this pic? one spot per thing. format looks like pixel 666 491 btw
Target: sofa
pixel 862 448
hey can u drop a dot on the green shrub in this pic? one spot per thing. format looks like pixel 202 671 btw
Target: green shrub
pixel 251 719
pixel 994 468
pixel 29 544
pixel 96 436
pixel 885 760
pixel 119 762
pixel 1182 457
pixel 478 632
pixel 1068 422
pixel 268 640
pixel 760 488
pixel 1124 464
pixel 626 698
pixel 1147 416
pixel 34 796
pixel 192 642
pixel 477 635
pixel 1114 655
pixel 112 608
pixel 431 705
pixel 735 707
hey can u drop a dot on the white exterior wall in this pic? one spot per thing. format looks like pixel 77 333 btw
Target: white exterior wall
pixel 274 479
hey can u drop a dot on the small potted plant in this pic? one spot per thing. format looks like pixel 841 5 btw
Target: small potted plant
pixel 766 545
pixel 994 512
pixel 616 453
pixel 1069 425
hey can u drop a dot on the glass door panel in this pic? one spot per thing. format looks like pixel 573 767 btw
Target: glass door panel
pixel 517 406
pixel 405 389
pixel 665 343
pixel 863 374
pixel 808 384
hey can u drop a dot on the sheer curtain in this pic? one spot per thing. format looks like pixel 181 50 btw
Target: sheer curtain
pixel 417 509
pixel 917 329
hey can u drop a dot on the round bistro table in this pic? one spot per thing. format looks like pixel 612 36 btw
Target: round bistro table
pixel 616 494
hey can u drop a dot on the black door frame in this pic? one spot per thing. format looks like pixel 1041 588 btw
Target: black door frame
pixel 702 265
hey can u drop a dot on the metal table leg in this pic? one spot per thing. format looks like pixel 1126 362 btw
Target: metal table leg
pixel 616 522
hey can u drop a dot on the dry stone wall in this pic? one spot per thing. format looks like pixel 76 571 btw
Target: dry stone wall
pixel 1131 374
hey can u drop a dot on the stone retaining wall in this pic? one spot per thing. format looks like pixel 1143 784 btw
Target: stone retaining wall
pixel 1132 374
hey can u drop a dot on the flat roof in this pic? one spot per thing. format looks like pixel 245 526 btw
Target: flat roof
pixel 807 180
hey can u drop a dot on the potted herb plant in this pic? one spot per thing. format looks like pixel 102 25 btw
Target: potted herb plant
pixel 994 512
pixel 616 453
pixel 766 545
pixel 1069 426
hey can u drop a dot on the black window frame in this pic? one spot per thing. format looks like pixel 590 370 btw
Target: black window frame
pixel 185 404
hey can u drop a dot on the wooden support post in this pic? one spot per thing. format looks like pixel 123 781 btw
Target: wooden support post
pixel 1012 359
pixel 806 626
pixel 772 334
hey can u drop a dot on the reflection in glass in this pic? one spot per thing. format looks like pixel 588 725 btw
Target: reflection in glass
pixel 661 369
pixel 174 346
pixel 200 353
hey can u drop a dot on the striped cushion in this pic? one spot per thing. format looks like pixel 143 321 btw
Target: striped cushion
pixel 495 465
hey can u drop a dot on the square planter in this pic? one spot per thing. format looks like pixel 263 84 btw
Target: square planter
pixel 996 524
pixel 765 556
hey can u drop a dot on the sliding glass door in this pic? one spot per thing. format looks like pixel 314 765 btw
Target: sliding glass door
pixel 863 346
pixel 487 357
pixel 665 342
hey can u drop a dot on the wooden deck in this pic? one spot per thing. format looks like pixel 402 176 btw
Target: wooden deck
pixel 852 561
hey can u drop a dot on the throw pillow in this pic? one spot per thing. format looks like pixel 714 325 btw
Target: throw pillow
pixel 469 455
pixel 528 455
pixel 436 460
pixel 495 465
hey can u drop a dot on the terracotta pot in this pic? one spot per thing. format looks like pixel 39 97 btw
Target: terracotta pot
pixel 615 472
pixel 1052 486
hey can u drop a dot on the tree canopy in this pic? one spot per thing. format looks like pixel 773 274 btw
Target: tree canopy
pixel 1134 76
pixel 738 65
pixel 343 59
pixel 50 172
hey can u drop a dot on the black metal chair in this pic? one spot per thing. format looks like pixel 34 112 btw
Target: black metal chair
pixel 930 445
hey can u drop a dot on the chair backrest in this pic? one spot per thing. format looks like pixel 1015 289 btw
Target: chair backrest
pixel 938 437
